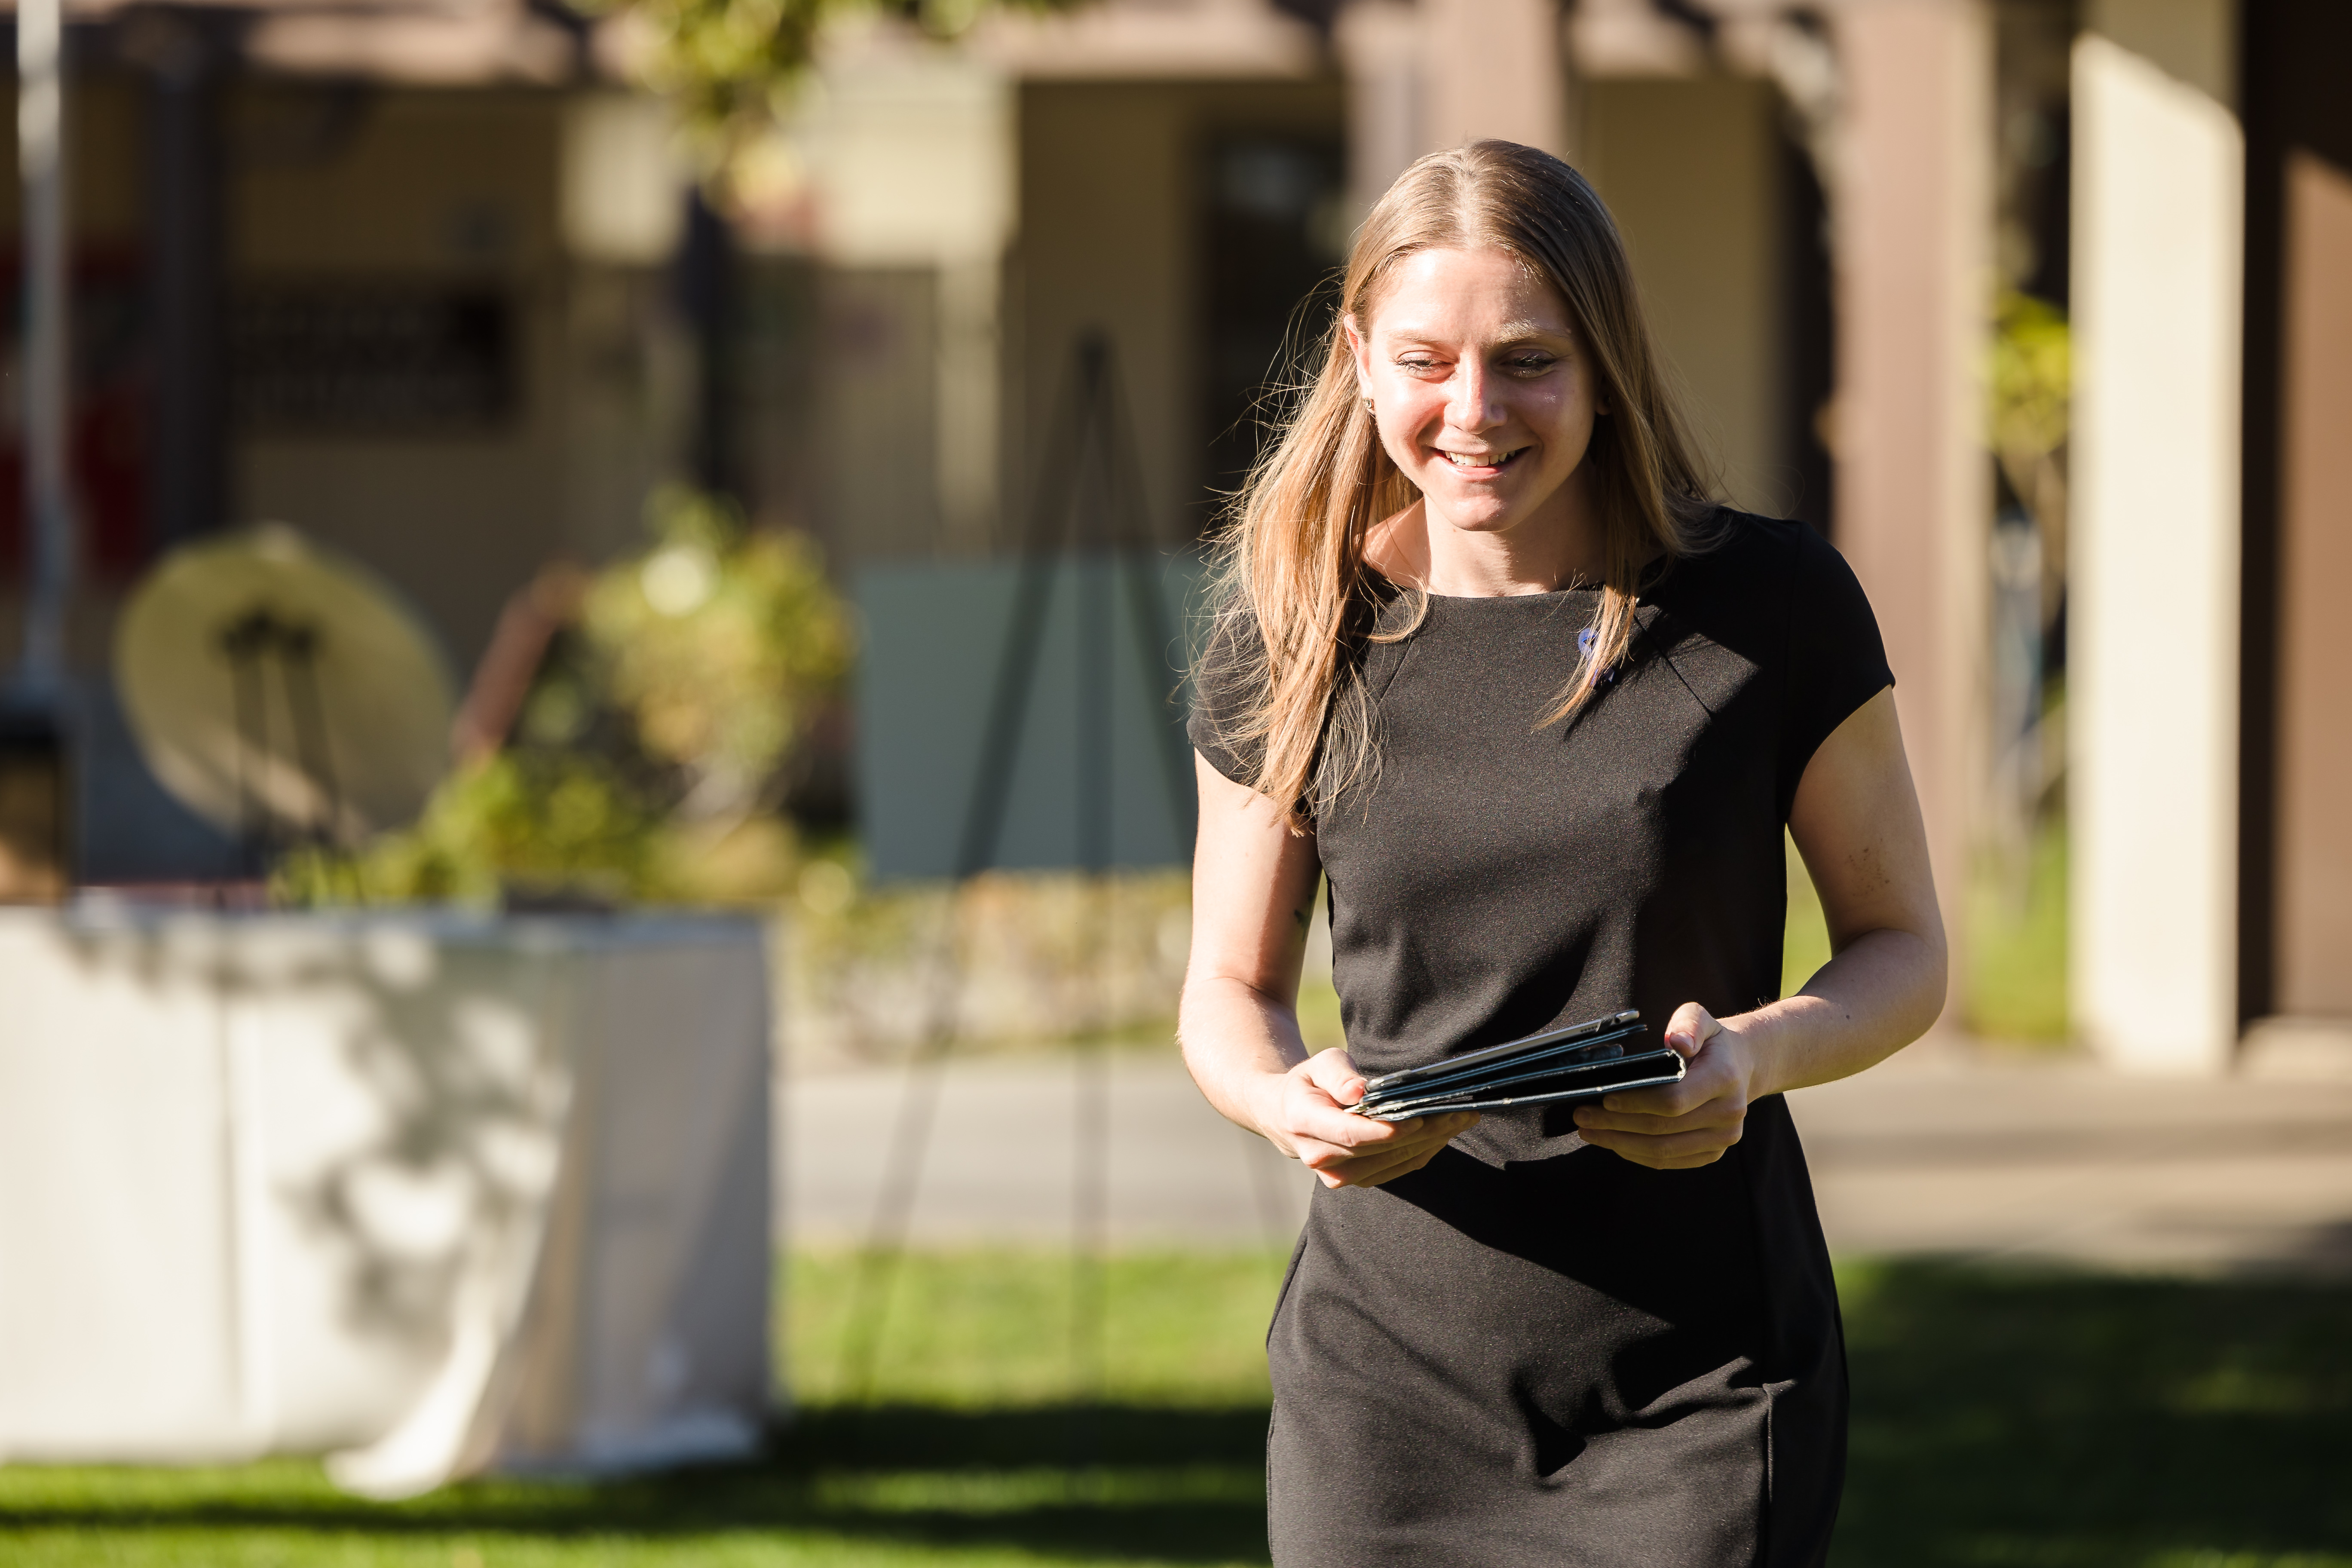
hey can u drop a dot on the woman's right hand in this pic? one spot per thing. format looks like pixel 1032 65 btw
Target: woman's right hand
pixel 1253 901
pixel 1304 1113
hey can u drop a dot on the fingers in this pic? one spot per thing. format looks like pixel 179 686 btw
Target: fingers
pixel 1394 1140
pixel 1697 1136
pixel 1417 1144
pixel 1693 1093
pixel 1322 1135
pixel 1666 1151
pixel 1334 1072
pixel 1627 1113
pixel 1709 1092
pixel 1372 1170
pixel 1690 1029
pixel 1718 1071
pixel 1678 1126
pixel 1310 1118
pixel 1315 1107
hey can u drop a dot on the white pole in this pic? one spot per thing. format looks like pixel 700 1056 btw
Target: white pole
pixel 40 142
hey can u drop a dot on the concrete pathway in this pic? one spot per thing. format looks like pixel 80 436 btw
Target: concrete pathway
pixel 1942 1151
pixel 1003 1157
pixel 1947 1152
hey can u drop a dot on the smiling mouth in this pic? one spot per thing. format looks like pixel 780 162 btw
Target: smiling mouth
pixel 1481 459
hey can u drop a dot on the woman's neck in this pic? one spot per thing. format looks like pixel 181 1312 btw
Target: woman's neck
pixel 1416 551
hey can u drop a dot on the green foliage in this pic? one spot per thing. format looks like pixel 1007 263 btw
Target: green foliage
pixel 537 823
pixel 2029 378
pixel 720 644
pixel 651 747
pixel 732 67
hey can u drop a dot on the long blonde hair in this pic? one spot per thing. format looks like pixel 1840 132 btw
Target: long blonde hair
pixel 1294 602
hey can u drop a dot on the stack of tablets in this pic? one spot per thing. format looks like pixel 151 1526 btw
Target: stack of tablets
pixel 1582 1062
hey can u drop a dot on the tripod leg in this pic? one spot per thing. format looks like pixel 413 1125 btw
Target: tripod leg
pixel 975 851
pixel 298 667
pixel 252 738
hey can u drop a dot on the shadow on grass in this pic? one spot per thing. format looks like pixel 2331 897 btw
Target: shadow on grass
pixel 2041 1418
pixel 2002 1416
pixel 1094 1483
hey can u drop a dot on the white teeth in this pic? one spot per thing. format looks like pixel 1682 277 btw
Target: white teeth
pixel 1479 460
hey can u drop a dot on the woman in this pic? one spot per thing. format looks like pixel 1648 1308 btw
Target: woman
pixel 1489 662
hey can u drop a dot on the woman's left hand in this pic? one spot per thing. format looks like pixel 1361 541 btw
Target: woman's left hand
pixel 1676 1126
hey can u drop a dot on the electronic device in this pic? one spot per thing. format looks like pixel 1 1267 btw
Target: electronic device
pixel 1582 1061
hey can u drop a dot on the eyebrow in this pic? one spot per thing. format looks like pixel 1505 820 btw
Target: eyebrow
pixel 1512 332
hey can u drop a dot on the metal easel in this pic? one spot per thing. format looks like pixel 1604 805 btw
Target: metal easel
pixel 1089 523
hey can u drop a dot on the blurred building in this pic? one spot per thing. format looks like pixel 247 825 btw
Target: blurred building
pixel 423 280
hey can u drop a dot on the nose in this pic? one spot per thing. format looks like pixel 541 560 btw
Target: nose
pixel 1472 406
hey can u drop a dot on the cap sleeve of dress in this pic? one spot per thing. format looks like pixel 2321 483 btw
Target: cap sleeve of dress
pixel 1837 660
pixel 1222 683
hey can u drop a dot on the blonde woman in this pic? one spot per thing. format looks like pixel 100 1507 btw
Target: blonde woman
pixel 1490 662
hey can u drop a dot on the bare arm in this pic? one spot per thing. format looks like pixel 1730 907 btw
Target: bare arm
pixel 1856 822
pixel 1252 897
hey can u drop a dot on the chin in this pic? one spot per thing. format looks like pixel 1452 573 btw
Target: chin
pixel 1479 519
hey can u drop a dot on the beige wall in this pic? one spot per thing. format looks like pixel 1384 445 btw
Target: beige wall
pixel 1689 169
pixel 459 186
pixel 1106 238
pixel 1914 237
pixel 878 490
pixel 103 125
pixel 2154 556
pixel 2195 42
pixel 2314 714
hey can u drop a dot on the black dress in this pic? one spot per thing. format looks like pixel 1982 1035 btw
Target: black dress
pixel 1532 1351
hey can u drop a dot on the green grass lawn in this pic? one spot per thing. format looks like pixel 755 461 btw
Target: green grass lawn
pixel 2069 1420
pixel 2017 920
pixel 2033 1418
pixel 2015 988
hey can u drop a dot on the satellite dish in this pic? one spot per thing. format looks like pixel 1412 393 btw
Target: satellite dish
pixel 281 692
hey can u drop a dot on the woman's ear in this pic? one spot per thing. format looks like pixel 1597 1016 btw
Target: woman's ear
pixel 1362 353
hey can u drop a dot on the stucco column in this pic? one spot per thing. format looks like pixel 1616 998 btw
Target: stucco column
pixel 1914 227
pixel 1496 68
pixel 1442 72
pixel 2153 568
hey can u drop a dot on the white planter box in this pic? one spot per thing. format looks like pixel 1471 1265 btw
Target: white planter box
pixel 444 1193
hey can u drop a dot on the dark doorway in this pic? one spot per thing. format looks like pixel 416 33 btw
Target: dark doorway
pixel 2294 847
pixel 1809 328
pixel 1273 242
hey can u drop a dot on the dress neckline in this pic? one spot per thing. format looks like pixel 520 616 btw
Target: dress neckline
pixel 1552 595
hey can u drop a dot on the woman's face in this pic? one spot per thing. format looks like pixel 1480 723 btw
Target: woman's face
pixel 1481 392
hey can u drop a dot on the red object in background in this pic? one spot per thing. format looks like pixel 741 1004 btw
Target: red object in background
pixel 109 435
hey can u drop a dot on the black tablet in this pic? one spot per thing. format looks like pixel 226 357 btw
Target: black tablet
pixel 1542 1056
pixel 1596 1032
pixel 1588 1080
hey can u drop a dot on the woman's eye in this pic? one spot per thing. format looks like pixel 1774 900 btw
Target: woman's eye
pixel 1417 366
pixel 1532 365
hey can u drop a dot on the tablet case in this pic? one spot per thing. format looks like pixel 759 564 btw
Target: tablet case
pixel 1582 1061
